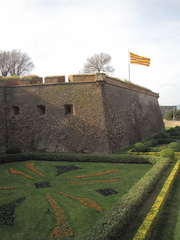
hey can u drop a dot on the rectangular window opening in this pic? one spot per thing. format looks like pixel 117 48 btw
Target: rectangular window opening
pixel 68 108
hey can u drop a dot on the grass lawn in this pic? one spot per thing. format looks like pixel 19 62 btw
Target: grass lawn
pixel 40 206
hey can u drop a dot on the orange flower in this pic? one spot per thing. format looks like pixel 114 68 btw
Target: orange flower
pixel 14 171
pixel 97 181
pixel 85 201
pixel 2 188
pixel 96 174
pixel 31 167
pixel 64 229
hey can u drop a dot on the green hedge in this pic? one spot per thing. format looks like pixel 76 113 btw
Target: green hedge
pixel 155 149
pixel 114 222
pixel 13 150
pixel 151 143
pixel 146 228
pixel 168 153
pixel 112 158
pixel 175 146
pixel 140 147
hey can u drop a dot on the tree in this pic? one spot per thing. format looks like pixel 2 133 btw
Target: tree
pixel 98 63
pixel 172 115
pixel 15 62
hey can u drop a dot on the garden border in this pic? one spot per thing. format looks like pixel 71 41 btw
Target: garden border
pixel 116 219
pixel 146 227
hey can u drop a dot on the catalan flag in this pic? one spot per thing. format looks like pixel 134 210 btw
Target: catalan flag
pixel 136 59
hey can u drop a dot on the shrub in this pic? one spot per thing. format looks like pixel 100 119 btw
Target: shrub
pixel 170 130
pixel 70 157
pixel 140 147
pixel 172 114
pixel 174 133
pixel 157 136
pixel 160 135
pixel 177 128
pixel 13 150
pixel 168 153
pixel 163 135
pixel 175 146
pixel 151 143
pixel 169 115
pixel 165 140
pixel 155 149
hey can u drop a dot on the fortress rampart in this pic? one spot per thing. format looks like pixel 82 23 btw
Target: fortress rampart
pixel 91 113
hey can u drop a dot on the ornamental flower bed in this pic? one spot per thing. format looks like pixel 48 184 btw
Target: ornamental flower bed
pixel 106 191
pixel 97 181
pixel 7 212
pixel 96 174
pixel 3 188
pixel 85 201
pixel 31 167
pixel 63 229
pixel 14 171
pixel 63 169
pixel 42 185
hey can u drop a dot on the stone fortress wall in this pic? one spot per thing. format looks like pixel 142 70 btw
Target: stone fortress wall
pixel 91 113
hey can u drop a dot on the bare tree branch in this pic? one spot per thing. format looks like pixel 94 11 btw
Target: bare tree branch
pixel 98 63
pixel 15 62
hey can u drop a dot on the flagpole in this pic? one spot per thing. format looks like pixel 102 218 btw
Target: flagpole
pixel 129 66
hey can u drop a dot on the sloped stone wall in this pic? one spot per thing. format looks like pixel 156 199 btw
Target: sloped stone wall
pixel 130 116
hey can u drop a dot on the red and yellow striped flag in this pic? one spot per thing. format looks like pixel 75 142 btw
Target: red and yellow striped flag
pixel 135 59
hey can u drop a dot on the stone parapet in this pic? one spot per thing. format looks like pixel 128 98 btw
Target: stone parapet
pixel 18 81
pixel 54 79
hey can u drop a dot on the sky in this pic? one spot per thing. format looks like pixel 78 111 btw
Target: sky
pixel 59 36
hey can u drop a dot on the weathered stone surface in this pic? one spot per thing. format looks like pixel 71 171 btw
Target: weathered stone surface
pixel 3 118
pixel 101 116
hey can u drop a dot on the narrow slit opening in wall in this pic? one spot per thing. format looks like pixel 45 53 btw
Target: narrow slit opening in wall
pixel 41 109
pixel 14 111
pixel 68 108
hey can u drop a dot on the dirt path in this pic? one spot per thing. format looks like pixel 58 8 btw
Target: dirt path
pixel 171 123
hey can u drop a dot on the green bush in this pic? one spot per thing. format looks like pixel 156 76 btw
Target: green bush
pixel 171 130
pixel 13 150
pixel 155 149
pixel 157 136
pixel 177 128
pixel 174 133
pixel 175 146
pixel 172 115
pixel 140 147
pixel 70 157
pixel 164 135
pixel 165 140
pixel 168 153
pixel 151 143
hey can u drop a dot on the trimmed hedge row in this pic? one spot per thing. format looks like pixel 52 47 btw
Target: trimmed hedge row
pixel 112 158
pixel 146 227
pixel 114 222
pixel 131 152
